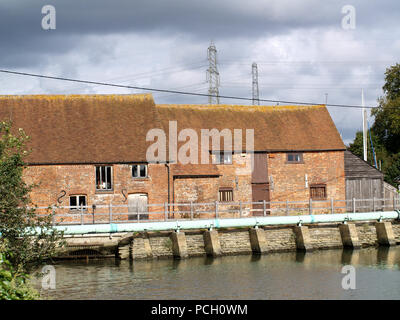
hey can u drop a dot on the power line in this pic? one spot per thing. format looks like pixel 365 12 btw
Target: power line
pixel 176 91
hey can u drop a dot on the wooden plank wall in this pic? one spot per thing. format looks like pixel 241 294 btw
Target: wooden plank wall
pixel 362 182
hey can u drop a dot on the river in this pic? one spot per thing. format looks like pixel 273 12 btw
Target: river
pixel 292 275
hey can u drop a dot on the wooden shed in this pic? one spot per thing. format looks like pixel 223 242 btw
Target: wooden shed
pixel 363 181
pixel 365 184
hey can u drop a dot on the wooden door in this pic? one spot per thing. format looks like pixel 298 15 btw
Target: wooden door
pixel 137 202
pixel 260 193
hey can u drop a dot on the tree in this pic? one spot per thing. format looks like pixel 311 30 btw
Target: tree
pixel 27 238
pixel 380 151
pixel 386 128
pixel 387 115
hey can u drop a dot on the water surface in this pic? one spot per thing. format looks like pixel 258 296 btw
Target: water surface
pixel 294 275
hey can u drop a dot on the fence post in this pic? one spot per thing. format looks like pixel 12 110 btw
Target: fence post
pixel 137 211
pixel 165 211
pixel 354 205
pixel 310 206
pixel 264 208
pixel 53 218
pixel 81 216
pixel 394 204
pixel 287 207
pixel 191 210
pixel 373 204
pixel 216 209
pixel 110 212
pixel 332 207
pixel 240 209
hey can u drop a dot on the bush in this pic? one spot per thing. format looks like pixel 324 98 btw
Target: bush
pixel 14 285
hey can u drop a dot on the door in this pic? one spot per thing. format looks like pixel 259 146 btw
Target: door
pixel 137 202
pixel 260 193
pixel 259 183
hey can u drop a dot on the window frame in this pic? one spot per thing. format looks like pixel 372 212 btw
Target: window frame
pixel 318 185
pixel 300 154
pixel 100 178
pixel 228 190
pixel 78 207
pixel 146 170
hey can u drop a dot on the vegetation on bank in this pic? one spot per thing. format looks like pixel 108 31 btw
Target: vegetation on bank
pixel 385 132
pixel 27 239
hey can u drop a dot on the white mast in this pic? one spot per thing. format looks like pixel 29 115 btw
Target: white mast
pixel 364 120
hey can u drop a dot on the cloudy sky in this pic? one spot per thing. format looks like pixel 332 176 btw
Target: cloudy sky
pixel 302 50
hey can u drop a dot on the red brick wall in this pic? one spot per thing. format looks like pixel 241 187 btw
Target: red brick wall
pixel 80 179
pixel 320 167
pixel 289 181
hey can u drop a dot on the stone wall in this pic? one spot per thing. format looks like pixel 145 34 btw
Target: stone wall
pixel 325 237
pixel 367 234
pixel 232 241
pixel 396 230
pixel 280 239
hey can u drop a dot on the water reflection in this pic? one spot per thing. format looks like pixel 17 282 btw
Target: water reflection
pixel 291 275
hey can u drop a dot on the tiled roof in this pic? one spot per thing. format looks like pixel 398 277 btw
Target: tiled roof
pixel 68 129
pixel 83 128
pixel 281 128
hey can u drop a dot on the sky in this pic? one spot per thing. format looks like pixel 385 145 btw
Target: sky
pixel 306 50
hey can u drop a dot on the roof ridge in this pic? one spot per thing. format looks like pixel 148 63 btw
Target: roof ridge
pixel 240 107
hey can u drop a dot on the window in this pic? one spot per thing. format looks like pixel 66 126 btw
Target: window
pixel 103 178
pixel 225 195
pixel 77 202
pixel 318 192
pixel 139 170
pixel 223 157
pixel 294 158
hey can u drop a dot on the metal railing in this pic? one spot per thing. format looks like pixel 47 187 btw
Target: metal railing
pixel 122 213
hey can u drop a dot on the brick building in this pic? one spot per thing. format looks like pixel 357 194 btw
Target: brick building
pixel 91 150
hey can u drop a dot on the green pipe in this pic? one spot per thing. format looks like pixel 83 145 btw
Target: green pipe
pixel 227 223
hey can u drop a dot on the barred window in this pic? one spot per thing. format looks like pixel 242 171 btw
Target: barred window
pixel 225 195
pixel 103 178
pixel 318 192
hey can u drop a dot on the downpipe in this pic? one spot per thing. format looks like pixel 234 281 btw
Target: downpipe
pixel 228 222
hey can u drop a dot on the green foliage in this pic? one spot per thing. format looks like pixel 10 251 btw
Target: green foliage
pixel 386 128
pixel 27 237
pixel 380 151
pixel 14 285
pixel 393 171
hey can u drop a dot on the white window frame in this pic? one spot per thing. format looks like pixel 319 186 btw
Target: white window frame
pixel 78 207
pixel 139 165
